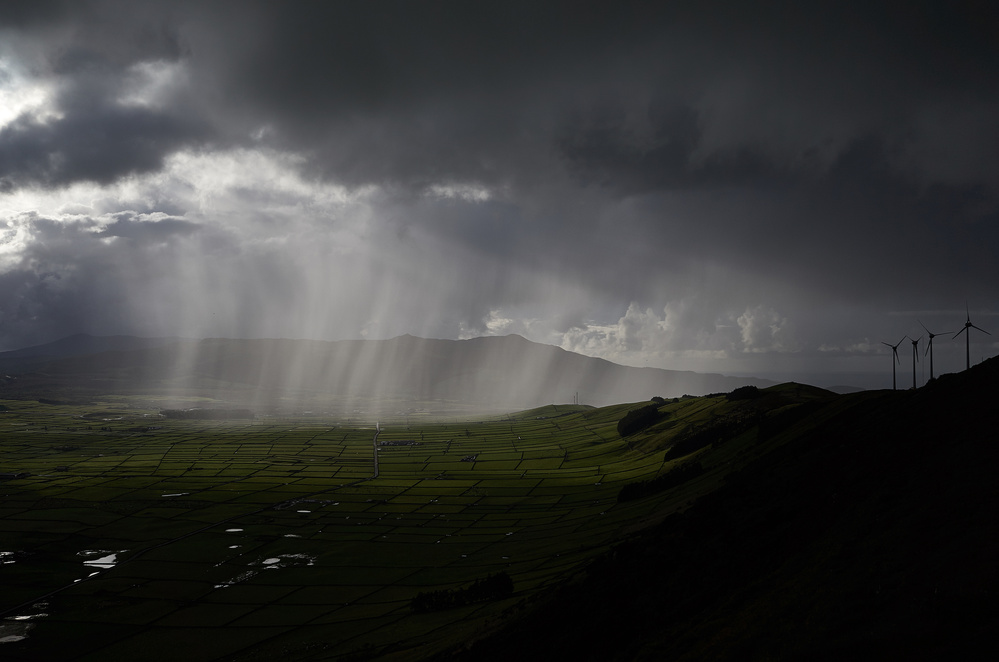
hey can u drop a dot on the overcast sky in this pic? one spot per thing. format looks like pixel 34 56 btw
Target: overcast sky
pixel 704 186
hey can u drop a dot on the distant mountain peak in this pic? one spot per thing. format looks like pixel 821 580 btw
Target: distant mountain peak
pixel 502 371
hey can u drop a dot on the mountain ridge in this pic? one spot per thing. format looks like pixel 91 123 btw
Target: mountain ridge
pixel 502 371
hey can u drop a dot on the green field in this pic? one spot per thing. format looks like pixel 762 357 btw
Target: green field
pixel 252 539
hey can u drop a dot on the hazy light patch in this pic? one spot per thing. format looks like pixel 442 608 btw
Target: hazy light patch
pixel 150 84
pixel 226 182
pixel 640 333
pixel 14 235
pixel 467 192
pixel 592 340
pixel 687 336
pixel 202 247
pixel 21 96
pixel 500 323
pixel 234 188
pixel 73 200
pixel 763 329
pixel 262 133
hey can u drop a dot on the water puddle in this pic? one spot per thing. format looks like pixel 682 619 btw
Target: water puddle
pixel 288 561
pixel 270 563
pixel 233 530
pixel 175 495
pixel 16 628
pixel 26 617
pixel 7 557
pixel 241 577
pixel 99 559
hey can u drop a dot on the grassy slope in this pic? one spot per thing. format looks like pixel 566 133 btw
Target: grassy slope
pixel 867 531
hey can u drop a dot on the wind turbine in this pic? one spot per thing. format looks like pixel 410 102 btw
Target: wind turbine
pixel 894 351
pixel 929 345
pixel 915 357
pixel 967 339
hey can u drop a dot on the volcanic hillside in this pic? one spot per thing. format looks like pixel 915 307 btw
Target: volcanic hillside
pixel 871 533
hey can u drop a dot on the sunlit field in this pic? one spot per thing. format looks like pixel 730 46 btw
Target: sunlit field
pixel 125 535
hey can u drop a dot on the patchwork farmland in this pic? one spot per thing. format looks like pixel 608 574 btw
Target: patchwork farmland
pixel 125 535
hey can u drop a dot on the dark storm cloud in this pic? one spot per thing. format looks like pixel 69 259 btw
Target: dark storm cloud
pixel 89 133
pixel 58 284
pixel 22 15
pixel 601 151
pixel 633 96
pixel 800 132
pixel 447 89
pixel 99 143
pixel 744 171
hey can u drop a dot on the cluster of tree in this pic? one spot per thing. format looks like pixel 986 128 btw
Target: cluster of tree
pixel 659 400
pixel 493 587
pixel 749 392
pixel 207 414
pixel 676 476
pixel 638 419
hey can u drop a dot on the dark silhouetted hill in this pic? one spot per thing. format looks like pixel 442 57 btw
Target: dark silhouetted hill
pixel 871 532
pixel 81 344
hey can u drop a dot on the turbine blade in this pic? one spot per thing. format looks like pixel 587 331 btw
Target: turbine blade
pixel 980 329
pixel 960 332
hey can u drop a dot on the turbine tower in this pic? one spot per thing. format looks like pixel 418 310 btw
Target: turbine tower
pixel 894 351
pixel 929 345
pixel 915 357
pixel 967 339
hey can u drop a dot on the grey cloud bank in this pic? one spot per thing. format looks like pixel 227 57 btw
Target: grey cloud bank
pixel 705 186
